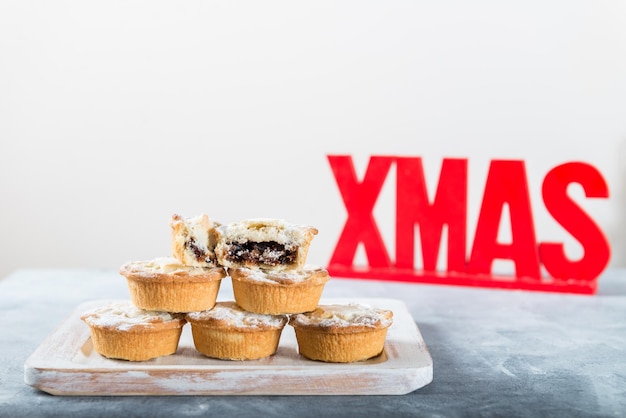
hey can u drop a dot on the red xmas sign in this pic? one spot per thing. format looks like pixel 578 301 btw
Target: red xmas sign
pixel 506 184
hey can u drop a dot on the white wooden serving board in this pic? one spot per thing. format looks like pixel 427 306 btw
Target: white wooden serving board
pixel 66 364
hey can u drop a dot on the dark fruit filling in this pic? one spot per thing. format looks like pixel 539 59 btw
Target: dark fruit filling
pixel 198 252
pixel 268 253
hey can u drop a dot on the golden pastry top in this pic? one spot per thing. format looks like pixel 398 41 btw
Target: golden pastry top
pixel 165 265
pixel 169 268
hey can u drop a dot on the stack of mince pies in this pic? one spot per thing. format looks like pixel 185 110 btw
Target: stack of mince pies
pixel 272 287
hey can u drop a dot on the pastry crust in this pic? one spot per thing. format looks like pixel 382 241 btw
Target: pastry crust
pixel 163 284
pixel 263 243
pixel 341 333
pixel 193 240
pixel 123 331
pixel 230 333
pixel 278 292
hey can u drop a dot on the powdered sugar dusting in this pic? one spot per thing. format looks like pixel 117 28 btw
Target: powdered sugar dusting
pixel 345 315
pixel 123 316
pixel 164 265
pixel 291 276
pixel 237 317
pixel 267 229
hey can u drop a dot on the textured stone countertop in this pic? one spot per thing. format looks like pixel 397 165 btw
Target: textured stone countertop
pixel 495 353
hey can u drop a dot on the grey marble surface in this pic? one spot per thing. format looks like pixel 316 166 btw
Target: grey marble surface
pixel 495 353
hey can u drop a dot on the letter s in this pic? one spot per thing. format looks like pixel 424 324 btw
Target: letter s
pixel 578 223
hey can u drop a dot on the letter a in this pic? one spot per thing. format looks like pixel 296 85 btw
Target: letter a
pixel 506 183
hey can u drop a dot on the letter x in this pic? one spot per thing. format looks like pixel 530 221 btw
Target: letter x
pixel 359 199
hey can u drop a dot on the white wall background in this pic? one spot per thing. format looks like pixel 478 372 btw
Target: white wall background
pixel 114 115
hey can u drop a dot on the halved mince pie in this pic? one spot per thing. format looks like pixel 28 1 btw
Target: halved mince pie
pixel 193 240
pixel 270 244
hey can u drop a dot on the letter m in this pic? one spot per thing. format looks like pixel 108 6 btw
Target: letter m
pixel 413 207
